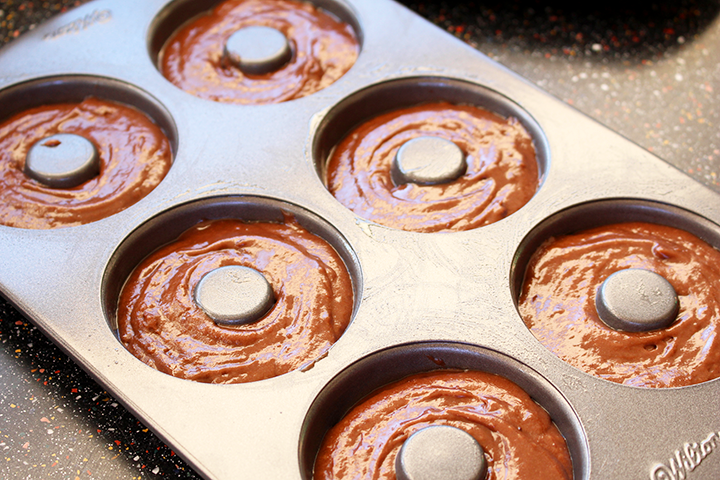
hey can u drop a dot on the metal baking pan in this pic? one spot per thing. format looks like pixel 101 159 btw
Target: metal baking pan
pixel 420 298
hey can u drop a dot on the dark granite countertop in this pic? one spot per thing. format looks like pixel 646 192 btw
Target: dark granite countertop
pixel 649 71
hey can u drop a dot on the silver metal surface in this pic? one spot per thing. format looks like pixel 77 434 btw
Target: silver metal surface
pixel 441 452
pixel 63 160
pixel 423 301
pixel 428 161
pixel 234 295
pixel 636 300
pixel 258 50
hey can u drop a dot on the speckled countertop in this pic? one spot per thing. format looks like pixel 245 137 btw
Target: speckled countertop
pixel 649 71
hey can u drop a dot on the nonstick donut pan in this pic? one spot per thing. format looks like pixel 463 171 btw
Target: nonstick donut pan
pixel 421 301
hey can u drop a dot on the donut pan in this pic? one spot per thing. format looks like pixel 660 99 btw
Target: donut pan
pixel 422 300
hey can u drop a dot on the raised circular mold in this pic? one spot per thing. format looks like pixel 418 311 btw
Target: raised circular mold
pixel 434 205
pixel 359 380
pixel 252 82
pixel 258 50
pixel 441 452
pixel 621 305
pixel 235 231
pixel 234 295
pixel 62 160
pixel 71 191
pixel 428 161
pixel 660 238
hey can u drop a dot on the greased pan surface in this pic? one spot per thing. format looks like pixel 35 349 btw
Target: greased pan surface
pixel 453 288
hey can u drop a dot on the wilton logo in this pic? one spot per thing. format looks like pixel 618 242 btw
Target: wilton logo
pixel 686 459
pixel 97 16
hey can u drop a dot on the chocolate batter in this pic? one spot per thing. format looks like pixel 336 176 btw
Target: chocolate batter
pixel 558 304
pixel 134 153
pixel 160 323
pixel 501 176
pixel 324 48
pixel 518 437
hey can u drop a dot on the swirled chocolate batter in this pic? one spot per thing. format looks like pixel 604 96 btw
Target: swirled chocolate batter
pixel 501 175
pixel 323 49
pixel 160 323
pixel 518 437
pixel 134 154
pixel 558 304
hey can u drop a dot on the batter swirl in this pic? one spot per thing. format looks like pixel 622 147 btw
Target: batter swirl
pixel 501 175
pixel 160 323
pixel 518 437
pixel 134 157
pixel 558 304
pixel 324 49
